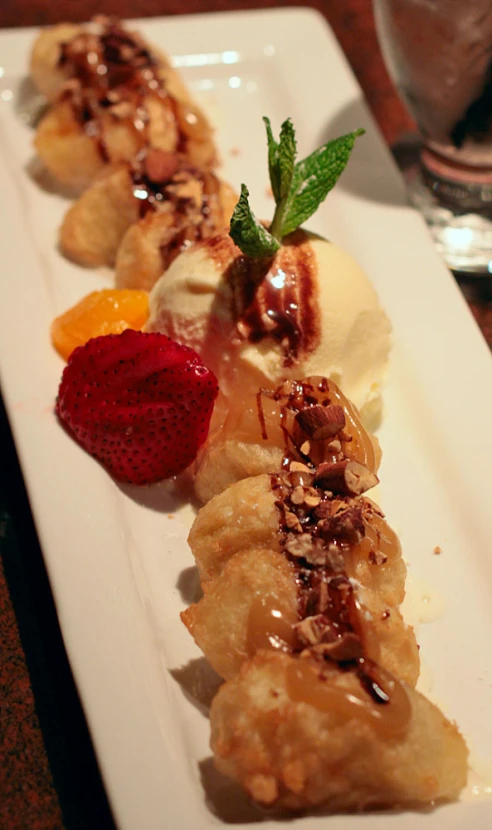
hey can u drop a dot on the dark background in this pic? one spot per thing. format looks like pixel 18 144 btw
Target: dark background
pixel 48 774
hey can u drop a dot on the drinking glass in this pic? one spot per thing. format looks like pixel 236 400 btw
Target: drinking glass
pixel 439 55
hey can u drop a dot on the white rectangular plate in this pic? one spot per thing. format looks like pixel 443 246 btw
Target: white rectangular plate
pixel 118 560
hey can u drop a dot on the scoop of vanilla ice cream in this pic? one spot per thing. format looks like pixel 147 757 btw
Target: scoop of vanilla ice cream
pixel 194 303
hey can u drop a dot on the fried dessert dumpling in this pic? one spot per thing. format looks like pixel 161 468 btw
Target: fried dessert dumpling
pixel 310 418
pixel 95 224
pixel 297 732
pixel 296 559
pixel 48 69
pixel 140 215
pixel 259 512
pixel 254 604
pixel 302 580
pixel 234 617
pixel 118 96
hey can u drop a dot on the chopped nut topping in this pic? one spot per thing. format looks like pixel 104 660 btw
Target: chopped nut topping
pixel 437 549
pixel 160 166
pixel 310 630
pixel 292 522
pixel 321 422
pixel 348 478
pixel 305 448
pixel 297 495
pixel 370 506
pixel 345 648
pixel 347 523
pixel 323 597
pixel 302 479
pixel 305 547
pixel 377 558
pixel 312 497
pixel 298 467
pixel 335 445
pixel 122 109
pixel 335 559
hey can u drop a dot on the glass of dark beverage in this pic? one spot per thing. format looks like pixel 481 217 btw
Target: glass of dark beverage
pixel 439 55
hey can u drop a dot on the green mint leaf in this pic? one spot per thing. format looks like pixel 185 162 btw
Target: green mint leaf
pixel 281 161
pixel 249 235
pixel 313 179
pixel 273 167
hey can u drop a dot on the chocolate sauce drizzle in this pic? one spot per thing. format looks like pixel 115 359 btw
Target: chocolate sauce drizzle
pixel 317 528
pixel 278 297
pixel 169 183
pixel 112 72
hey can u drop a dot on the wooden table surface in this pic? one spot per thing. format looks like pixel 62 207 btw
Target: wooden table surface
pixel 48 774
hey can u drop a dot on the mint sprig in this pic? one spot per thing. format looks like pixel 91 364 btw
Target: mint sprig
pixel 248 233
pixel 298 189
pixel 281 159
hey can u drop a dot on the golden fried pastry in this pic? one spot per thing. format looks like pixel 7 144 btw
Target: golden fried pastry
pixel 254 432
pixel 195 205
pixel 48 70
pixel 297 732
pixel 248 514
pixel 111 95
pixel 243 516
pixel 253 604
pixel 223 622
pixel 93 227
pixel 141 215
pixel 302 581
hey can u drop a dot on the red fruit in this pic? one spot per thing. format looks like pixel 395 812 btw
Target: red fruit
pixel 139 403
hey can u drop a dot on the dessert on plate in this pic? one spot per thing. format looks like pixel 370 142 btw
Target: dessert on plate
pixel 110 94
pixel 301 574
pixel 261 306
pixel 138 216
pixel 302 580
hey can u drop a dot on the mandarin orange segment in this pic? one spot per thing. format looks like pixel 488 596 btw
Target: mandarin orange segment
pixel 109 311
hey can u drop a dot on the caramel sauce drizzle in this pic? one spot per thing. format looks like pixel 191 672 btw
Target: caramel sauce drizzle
pixel 269 627
pixel 326 591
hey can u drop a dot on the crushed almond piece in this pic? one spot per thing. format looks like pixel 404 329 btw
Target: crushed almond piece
pixel 123 109
pixel 298 467
pixel 321 422
pixel 292 521
pixel 311 497
pixel 335 445
pixel 349 478
pixel 160 165
pixel 377 558
pixel 304 547
pixel 345 648
pixel 310 630
pixel 297 495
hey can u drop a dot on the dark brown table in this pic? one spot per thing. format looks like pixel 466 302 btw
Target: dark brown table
pixel 48 774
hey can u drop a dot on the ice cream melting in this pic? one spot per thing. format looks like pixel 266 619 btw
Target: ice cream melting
pixel 275 297
pixel 309 310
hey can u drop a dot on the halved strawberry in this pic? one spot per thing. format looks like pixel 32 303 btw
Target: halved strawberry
pixel 139 403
